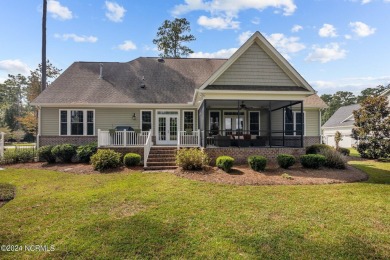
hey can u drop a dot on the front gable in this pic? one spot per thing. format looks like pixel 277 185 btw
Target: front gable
pixel 257 66
pixel 254 68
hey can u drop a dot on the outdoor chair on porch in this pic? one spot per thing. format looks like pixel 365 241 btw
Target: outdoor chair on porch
pixel 222 141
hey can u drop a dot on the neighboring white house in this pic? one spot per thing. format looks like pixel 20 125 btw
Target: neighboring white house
pixel 343 121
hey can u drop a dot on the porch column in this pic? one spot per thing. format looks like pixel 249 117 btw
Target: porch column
pixel 204 123
pixel 269 123
pixel 302 128
pixel 283 125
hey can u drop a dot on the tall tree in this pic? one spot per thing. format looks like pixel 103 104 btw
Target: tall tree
pixel 372 92
pixel 335 101
pixel 35 82
pixel 44 15
pixel 170 38
pixel 372 127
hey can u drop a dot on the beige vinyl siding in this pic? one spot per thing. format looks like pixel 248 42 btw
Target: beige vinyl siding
pixel 277 122
pixel 109 118
pixel 312 122
pixel 312 118
pixel 106 118
pixel 255 67
pixel 49 121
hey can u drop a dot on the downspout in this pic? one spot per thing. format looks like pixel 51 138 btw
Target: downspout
pixel 39 126
pixel 320 131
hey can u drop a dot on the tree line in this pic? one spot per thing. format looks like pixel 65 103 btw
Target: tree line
pixel 345 98
pixel 18 118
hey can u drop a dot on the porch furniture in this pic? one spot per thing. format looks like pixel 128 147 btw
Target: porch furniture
pixel 259 141
pixel 222 141
pixel 241 140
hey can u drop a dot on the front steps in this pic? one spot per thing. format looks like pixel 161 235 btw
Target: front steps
pixel 161 158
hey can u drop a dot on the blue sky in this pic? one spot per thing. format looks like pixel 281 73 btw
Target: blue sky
pixel 334 44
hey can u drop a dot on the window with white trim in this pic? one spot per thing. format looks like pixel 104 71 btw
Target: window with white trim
pixel 294 123
pixel 146 120
pixel 77 122
pixel 189 120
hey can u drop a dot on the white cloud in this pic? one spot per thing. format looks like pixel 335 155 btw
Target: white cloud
pixel 218 23
pixel 326 54
pixel 296 28
pixel 362 29
pixel 115 12
pixel 58 11
pixel 365 2
pixel 244 36
pixel 224 53
pixel 14 66
pixel 347 36
pixel 127 46
pixel 354 85
pixel 76 38
pixel 233 7
pixel 327 30
pixel 256 20
pixel 285 45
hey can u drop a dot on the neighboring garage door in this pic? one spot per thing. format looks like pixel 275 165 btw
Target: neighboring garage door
pixel 346 142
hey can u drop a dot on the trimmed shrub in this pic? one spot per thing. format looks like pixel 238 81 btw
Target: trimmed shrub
pixel 225 163
pixel 18 156
pixel 312 161
pixel 343 151
pixel 285 160
pixel 45 154
pixel 105 159
pixel 315 148
pixel 84 152
pixel 131 159
pixel 257 162
pixel 333 159
pixel 192 159
pixel 64 152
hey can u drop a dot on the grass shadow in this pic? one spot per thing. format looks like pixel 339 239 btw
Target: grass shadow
pixel 290 243
pixel 139 236
pixel 379 172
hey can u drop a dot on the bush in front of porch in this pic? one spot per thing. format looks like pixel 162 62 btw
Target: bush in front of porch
pixel 192 159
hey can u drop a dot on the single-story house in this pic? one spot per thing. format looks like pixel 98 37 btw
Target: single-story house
pixel 343 121
pixel 253 100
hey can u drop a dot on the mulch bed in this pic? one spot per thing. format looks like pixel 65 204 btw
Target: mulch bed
pixel 240 175
pixel 80 168
pixel 243 175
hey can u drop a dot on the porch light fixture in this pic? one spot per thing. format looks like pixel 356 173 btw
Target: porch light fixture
pixel 134 117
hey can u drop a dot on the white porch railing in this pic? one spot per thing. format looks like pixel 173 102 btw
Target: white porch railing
pixel 147 147
pixel 186 138
pixel 1 144
pixel 122 138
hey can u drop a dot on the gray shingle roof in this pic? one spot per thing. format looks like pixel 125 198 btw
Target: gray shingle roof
pixel 337 119
pixel 171 81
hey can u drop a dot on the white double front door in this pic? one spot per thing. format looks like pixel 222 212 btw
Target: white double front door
pixel 167 127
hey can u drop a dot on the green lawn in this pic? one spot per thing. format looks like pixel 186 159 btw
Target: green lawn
pixel 354 152
pixel 159 215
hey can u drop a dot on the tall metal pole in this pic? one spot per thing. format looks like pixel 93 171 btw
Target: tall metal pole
pixel 43 72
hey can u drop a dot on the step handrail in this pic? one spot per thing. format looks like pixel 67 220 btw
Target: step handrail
pixel 147 147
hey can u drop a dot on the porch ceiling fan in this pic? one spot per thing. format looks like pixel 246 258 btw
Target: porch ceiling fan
pixel 244 106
